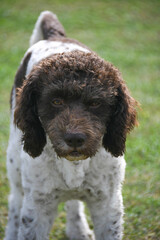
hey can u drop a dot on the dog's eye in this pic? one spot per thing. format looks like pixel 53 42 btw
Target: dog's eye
pixel 94 104
pixel 58 102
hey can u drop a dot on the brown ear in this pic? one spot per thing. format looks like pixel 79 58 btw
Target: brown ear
pixel 122 122
pixel 26 118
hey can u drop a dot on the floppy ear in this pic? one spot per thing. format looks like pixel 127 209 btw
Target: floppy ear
pixel 26 118
pixel 122 121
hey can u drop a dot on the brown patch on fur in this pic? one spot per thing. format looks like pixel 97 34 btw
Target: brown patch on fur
pixel 20 75
pixel 11 98
pixel 79 79
pixel 51 27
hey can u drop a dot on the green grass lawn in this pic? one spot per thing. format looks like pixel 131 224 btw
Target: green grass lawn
pixel 126 33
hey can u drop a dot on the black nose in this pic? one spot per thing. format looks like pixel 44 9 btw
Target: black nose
pixel 75 139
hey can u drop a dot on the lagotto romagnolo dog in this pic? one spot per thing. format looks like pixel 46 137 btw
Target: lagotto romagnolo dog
pixel 70 114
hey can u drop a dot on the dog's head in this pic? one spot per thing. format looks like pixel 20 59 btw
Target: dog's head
pixel 80 101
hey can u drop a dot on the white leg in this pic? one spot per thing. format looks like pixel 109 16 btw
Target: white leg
pixel 16 193
pixel 37 216
pixel 107 218
pixel 77 226
pixel 15 203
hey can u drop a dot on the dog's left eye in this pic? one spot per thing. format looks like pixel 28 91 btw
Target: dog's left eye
pixel 58 102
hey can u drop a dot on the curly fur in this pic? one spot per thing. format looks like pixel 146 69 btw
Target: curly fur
pixel 68 104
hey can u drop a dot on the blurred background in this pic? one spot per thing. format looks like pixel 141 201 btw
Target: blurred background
pixel 126 33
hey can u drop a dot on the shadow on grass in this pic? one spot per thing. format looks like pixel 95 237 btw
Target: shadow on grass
pixel 64 238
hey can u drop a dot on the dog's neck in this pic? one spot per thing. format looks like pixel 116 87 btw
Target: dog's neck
pixel 75 174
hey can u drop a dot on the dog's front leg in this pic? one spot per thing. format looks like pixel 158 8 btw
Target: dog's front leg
pixel 77 226
pixel 107 218
pixel 37 216
pixel 15 202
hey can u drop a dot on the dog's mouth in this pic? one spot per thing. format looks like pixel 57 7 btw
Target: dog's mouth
pixel 75 156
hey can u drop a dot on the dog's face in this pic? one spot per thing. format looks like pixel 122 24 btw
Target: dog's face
pixel 74 112
pixel 80 102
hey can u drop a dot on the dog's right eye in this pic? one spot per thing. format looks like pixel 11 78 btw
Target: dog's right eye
pixel 94 104
pixel 58 102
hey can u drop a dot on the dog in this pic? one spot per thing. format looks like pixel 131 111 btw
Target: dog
pixel 71 112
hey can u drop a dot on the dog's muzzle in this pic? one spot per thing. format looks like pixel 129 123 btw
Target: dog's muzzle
pixel 75 141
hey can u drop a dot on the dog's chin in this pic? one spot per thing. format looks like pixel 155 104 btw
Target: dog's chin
pixel 75 156
pixel 71 158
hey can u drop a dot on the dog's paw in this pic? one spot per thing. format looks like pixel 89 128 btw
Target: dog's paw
pixel 81 236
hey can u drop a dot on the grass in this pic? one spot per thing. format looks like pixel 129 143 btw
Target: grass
pixel 127 34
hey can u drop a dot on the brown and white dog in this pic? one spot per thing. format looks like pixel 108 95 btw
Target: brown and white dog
pixel 70 114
